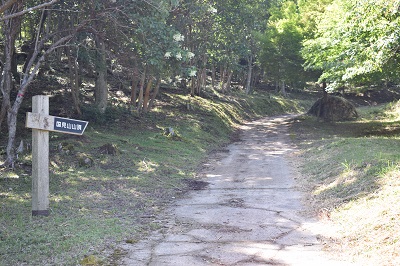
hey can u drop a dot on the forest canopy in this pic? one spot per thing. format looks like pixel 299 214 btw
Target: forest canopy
pixel 138 46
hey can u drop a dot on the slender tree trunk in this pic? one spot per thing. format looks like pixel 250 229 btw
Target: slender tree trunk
pixel 227 85
pixel 249 75
pixel 12 119
pixel 141 89
pixel 155 93
pixel 256 77
pixel 147 94
pixel 74 80
pixel 243 80
pixel 201 80
pixel 196 82
pixel 193 90
pixel 135 78
pixel 199 83
pixel 10 30
pixel 202 76
pixel 101 90
pixel 12 130
pixel 223 75
pixel 11 27
pixel 6 81
pixel 33 67
pixel 213 75
pixel 283 88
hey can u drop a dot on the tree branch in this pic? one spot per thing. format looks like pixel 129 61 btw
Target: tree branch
pixel 7 5
pixel 30 73
pixel 23 12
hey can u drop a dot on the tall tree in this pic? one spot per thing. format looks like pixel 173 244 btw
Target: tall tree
pixel 356 42
pixel 194 20
pixel 282 43
pixel 10 29
pixel 13 13
pixel 238 23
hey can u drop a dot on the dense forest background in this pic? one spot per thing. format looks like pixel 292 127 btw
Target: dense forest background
pixel 84 50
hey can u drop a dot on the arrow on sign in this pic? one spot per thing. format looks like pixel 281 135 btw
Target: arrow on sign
pixel 54 123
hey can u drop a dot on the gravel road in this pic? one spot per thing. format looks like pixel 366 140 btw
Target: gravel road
pixel 247 211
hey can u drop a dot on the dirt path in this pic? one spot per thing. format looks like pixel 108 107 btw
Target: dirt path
pixel 248 214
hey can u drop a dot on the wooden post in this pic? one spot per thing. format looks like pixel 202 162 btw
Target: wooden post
pixel 41 123
pixel 40 160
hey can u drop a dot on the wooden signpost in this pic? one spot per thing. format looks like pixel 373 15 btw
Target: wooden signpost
pixel 41 123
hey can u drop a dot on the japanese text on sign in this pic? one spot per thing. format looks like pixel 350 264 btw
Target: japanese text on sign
pixel 69 125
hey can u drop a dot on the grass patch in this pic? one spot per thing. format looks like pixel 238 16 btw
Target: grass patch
pixel 351 172
pixel 117 196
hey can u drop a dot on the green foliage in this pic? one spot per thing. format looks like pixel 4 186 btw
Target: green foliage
pixel 311 12
pixel 356 43
pixel 235 31
pixel 281 45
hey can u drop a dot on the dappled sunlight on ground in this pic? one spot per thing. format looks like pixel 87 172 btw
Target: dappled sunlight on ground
pixel 249 212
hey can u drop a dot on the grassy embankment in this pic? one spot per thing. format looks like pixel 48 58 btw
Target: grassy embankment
pixel 352 174
pixel 116 197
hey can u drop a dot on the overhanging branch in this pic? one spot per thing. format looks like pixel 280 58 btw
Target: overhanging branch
pixel 7 5
pixel 23 12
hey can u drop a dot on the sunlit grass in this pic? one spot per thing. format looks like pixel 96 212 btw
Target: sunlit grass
pixel 371 226
pixel 353 171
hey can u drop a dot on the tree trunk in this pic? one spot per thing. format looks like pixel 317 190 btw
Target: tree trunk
pixel 204 78
pixel 228 81
pixel 155 92
pixel 10 29
pixel 74 80
pixel 101 90
pixel 193 86
pixel 222 79
pixel 135 77
pixel 201 81
pixel 6 81
pixel 283 88
pixel 33 67
pixel 192 90
pixel 12 121
pixel 141 88
pixel 202 75
pixel 11 26
pixel 147 94
pixel 12 130
pixel 213 76
pixel 249 74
